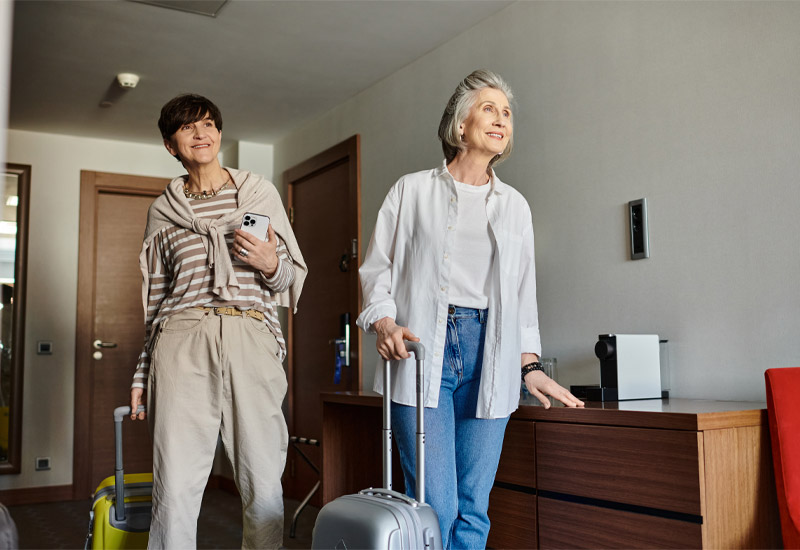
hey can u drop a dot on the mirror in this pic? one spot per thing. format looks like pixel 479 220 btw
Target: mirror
pixel 13 261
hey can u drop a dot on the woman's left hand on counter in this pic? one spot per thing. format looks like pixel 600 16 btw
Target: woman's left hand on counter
pixel 262 255
pixel 540 386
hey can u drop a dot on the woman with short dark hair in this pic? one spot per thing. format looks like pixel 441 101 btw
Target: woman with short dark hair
pixel 452 260
pixel 211 363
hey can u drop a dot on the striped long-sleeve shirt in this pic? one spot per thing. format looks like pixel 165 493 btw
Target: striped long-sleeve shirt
pixel 180 278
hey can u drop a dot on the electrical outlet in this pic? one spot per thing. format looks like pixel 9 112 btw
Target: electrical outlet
pixel 42 463
pixel 640 239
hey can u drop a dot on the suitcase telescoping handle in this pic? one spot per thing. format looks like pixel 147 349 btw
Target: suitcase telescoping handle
pixel 419 354
pixel 119 476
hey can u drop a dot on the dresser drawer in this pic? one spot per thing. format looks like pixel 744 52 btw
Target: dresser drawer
pixel 518 461
pixel 513 517
pixel 573 525
pixel 658 469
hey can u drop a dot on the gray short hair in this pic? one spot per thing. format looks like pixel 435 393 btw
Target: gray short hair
pixel 458 108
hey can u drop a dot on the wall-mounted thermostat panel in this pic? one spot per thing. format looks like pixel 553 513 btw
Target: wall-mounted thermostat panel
pixel 640 239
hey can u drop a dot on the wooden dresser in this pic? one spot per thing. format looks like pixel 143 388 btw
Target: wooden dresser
pixel 673 473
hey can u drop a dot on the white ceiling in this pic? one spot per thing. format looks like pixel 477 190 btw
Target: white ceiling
pixel 268 65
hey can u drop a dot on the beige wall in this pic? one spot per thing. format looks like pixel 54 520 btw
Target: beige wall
pixel 692 105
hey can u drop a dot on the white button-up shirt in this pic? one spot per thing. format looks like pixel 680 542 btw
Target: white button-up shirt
pixel 406 275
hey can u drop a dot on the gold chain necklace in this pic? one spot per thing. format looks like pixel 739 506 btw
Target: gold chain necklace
pixel 205 194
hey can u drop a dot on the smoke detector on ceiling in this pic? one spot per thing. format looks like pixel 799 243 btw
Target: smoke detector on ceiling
pixel 127 80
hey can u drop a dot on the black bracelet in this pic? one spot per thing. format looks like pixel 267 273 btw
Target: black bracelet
pixel 530 367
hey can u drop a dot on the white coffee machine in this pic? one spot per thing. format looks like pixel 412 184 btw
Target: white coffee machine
pixel 630 367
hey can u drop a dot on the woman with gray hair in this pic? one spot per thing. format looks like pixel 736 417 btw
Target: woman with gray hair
pixel 451 261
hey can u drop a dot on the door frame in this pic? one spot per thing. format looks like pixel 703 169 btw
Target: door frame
pixel 92 184
pixel 23 173
pixel 347 150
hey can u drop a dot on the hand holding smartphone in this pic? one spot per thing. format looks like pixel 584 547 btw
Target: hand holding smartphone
pixel 256 224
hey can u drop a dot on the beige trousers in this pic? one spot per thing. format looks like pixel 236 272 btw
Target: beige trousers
pixel 212 375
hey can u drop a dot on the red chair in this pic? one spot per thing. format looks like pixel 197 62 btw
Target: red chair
pixel 783 409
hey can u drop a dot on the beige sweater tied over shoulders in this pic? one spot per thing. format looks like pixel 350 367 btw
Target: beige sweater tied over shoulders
pixel 255 194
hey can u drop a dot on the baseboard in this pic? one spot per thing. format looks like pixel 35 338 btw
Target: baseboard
pixel 36 495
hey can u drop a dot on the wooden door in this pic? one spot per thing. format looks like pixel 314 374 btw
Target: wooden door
pixel 112 221
pixel 324 202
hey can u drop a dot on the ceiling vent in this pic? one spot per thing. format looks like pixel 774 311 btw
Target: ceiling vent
pixel 209 8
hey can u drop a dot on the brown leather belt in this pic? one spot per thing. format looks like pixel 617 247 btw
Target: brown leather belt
pixel 232 311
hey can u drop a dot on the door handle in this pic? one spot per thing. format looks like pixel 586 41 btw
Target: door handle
pixel 344 339
pixel 343 350
pixel 99 344
pixel 342 343
pixel 341 347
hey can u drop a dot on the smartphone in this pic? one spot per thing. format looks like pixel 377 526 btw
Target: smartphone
pixel 255 224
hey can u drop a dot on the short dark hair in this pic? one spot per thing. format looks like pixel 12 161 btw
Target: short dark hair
pixel 185 109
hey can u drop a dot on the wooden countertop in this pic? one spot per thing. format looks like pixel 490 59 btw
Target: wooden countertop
pixel 363 398
pixel 673 414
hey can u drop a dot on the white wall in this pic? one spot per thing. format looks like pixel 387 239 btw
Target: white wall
pixel 257 158
pixel 692 105
pixel 6 18
pixel 49 390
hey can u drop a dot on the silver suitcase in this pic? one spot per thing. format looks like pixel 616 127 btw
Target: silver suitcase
pixel 383 518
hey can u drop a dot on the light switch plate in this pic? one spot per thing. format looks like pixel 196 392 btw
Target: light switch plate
pixel 44 347
pixel 640 238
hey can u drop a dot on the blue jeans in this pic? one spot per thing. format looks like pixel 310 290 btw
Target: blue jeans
pixel 461 451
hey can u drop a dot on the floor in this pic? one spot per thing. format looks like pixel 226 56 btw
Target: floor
pixel 65 524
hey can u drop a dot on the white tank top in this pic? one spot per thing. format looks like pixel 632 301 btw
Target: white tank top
pixel 471 258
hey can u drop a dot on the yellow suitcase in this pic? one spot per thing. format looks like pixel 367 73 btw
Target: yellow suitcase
pixel 122 504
